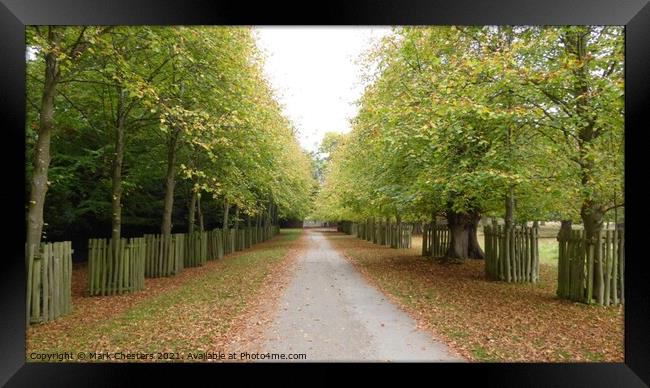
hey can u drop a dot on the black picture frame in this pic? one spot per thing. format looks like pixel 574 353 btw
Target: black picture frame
pixel 16 14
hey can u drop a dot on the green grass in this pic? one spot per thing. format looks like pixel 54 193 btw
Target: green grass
pixel 562 354
pixel 457 333
pixel 481 354
pixel 548 248
pixel 548 251
pixel 593 356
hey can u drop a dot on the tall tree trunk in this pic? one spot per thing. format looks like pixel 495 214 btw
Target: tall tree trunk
pixel 191 215
pixel 226 210
pixel 590 211
pixel 474 248
pixel 271 212
pixel 267 217
pixel 615 213
pixel 42 155
pixel 118 157
pixel 170 182
pixel 463 232
pixel 565 228
pixel 510 207
pixel 509 218
pixel 592 221
pixel 592 218
pixel 236 217
pixel 199 212
pixel 459 232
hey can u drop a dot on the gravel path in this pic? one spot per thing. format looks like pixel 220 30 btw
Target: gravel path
pixel 331 313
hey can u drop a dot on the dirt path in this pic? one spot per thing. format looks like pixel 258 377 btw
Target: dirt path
pixel 330 313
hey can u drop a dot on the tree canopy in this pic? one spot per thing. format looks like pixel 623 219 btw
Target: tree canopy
pixel 139 105
pixel 455 119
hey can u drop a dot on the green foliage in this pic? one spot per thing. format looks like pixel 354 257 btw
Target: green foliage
pixel 455 116
pixel 203 86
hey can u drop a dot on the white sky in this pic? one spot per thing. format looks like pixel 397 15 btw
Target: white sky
pixel 315 74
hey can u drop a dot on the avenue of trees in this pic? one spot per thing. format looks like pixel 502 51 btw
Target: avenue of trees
pixel 153 129
pixel 523 123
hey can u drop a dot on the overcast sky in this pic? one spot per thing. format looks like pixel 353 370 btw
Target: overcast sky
pixel 315 74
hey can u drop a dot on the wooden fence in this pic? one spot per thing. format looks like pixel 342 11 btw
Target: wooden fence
pixel 345 227
pixel 435 240
pixel 382 233
pixel 111 273
pixel 240 238
pixel 370 228
pixel 159 264
pixel 197 249
pixel 49 277
pixel 399 235
pixel 140 257
pixel 249 237
pixel 592 271
pixel 361 231
pixel 511 254
pixel 228 241
pixel 215 244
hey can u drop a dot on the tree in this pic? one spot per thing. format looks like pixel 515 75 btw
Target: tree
pixel 60 49
pixel 147 105
pixel 457 119
pixel 577 86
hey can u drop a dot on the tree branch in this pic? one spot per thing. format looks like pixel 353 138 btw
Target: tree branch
pixel 614 207
pixel 77 43
pixel 83 114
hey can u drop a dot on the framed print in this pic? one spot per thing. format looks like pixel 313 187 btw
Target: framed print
pixel 452 187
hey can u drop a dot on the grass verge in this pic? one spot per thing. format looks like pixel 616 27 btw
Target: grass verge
pixel 190 315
